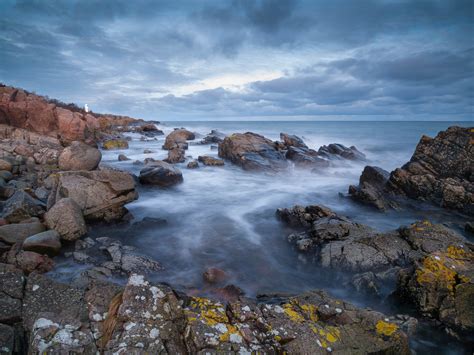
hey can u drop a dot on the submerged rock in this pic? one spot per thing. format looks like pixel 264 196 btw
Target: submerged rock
pixel 214 275
pixel 161 174
pixel 210 161
pixel 252 152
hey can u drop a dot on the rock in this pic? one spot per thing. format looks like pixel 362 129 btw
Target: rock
pixel 175 155
pixel 16 233
pixel 214 137
pixel 439 171
pixel 101 194
pixel 21 206
pixel 371 188
pixel 149 127
pixel 123 157
pixel 115 144
pixel 229 293
pixel 29 261
pixel 178 138
pixel 292 141
pixel 340 151
pixel 214 275
pixel 11 293
pixel 7 339
pixel 442 287
pixel 299 216
pixel 6 175
pixel 43 243
pixel 193 164
pixel 306 158
pixel 210 161
pixel 5 165
pixel 252 152
pixel 161 174
pixel 148 151
pixel 66 218
pixel 79 156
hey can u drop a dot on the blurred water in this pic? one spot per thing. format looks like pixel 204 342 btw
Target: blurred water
pixel 225 217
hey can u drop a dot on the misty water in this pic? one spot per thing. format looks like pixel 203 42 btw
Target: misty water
pixel 225 217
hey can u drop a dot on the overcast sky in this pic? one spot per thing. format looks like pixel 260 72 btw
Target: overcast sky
pixel 220 59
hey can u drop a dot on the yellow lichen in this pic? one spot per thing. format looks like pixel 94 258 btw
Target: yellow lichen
pixel 456 253
pixel 331 334
pixel 291 312
pixel 385 328
pixel 230 330
pixel 311 311
pixel 115 144
pixel 210 313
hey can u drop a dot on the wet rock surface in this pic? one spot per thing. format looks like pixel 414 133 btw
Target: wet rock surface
pixel 160 173
pixel 178 139
pixel 210 161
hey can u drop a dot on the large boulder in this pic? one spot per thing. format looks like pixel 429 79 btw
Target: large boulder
pixel 66 218
pixel 43 243
pixel 252 151
pixel 178 138
pixel 79 156
pixel 161 174
pixel 370 189
pixel 101 194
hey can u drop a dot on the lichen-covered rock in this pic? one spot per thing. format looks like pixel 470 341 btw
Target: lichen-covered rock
pixel 66 218
pixel 442 286
pixel 210 161
pixel 252 152
pixel 178 138
pixel 115 144
pixel 101 194
pixel 79 156
pixel 161 174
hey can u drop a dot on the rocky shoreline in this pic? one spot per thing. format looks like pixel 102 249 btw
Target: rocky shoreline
pixel 53 186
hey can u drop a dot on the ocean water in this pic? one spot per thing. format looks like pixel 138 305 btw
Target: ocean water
pixel 225 217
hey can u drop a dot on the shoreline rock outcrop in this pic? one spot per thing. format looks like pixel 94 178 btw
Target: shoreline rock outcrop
pixel 440 172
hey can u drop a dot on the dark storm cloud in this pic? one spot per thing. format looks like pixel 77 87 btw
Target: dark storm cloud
pixel 335 57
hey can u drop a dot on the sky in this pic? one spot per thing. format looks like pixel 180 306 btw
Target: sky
pixel 237 59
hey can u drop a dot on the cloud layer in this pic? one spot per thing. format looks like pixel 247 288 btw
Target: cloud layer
pixel 215 59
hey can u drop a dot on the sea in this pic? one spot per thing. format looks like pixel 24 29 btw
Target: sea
pixel 224 217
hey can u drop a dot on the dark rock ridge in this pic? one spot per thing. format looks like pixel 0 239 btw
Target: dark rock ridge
pixel 440 171
pixel 255 152
pixel 433 264
pixel 40 315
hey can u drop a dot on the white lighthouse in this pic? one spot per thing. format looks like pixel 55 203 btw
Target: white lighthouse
pixel 86 108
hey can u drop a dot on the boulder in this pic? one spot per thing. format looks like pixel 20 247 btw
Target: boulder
pixel 5 165
pixel 29 261
pixel 292 141
pixel 210 161
pixel 176 155
pixel 193 164
pixel 101 194
pixel 79 156
pixel 371 188
pixel 161 174
pixel 123 157
pixel 43 243
pixel 252 152
pixel 305 158
pixel 214 137
pixel 178 138
pixel 112 144
pixel 66 218
pixel 340 151
pixel 21 206
pixel 16 233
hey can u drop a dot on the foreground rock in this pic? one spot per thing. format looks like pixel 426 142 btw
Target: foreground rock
pixel 100 194
pixel 79 156
pixel 144 317
pixel 252 152
pixel 161 174
pixel 21 206
pixel 66 218
pixel 43 243
pixel 178 138
pixel 440 171
pixel 434 266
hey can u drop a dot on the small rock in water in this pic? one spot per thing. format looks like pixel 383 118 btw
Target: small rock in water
pixel 193 164
pixel 214 275
pixel 123 157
